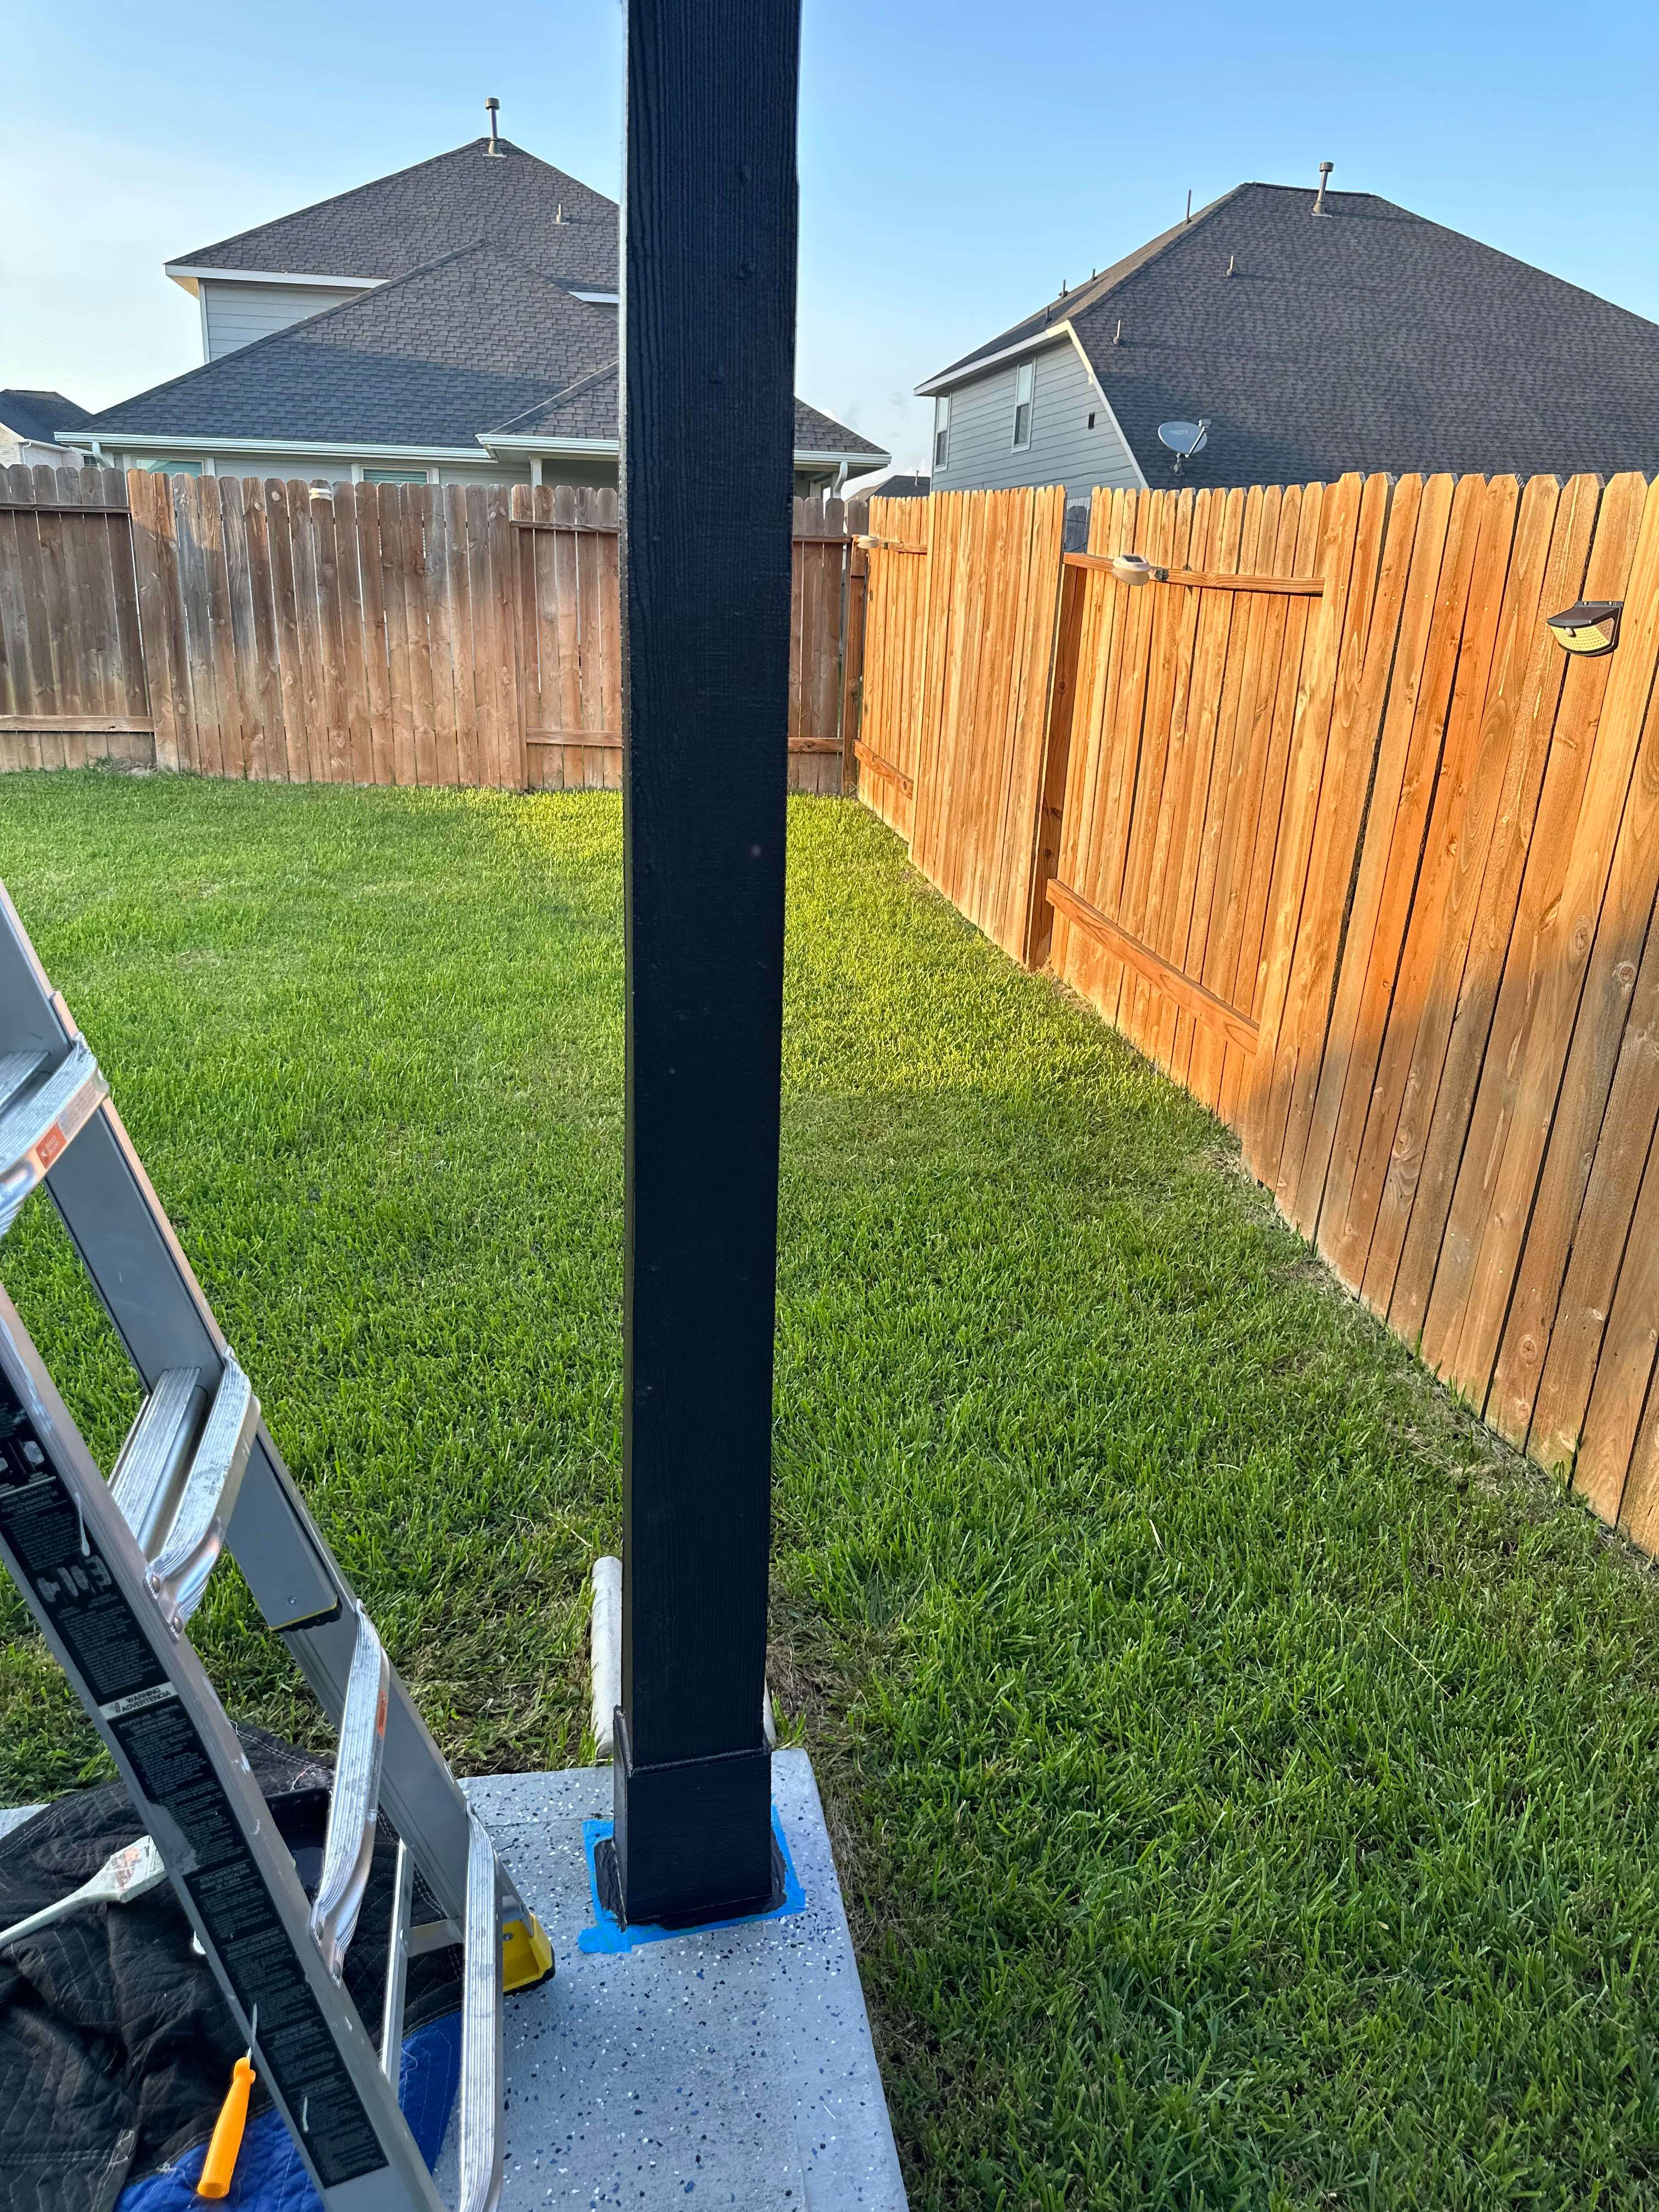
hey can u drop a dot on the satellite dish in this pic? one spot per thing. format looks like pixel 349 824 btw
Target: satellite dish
pixel 1184 438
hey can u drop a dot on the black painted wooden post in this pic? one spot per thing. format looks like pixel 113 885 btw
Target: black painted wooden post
pixel 708 448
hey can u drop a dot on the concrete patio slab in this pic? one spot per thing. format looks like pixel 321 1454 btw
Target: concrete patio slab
pixel 722 2067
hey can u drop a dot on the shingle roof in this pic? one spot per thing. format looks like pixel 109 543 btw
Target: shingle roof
pixel 821 434
pixel 588 409
pixel 419 214
pixel 1073 301
pixel 476 342
pixel 1371 340
pixel 891 487
pixel 430 360
pixel 39 416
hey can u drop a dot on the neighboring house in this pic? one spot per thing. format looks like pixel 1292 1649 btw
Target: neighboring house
pixel 1361 336
pixel 455 323
pixel 29 423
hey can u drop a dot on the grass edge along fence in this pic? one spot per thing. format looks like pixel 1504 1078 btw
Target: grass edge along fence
pixel 1332 829
pixel 371 634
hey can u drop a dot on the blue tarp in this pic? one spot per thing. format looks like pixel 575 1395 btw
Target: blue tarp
pixel 269 2175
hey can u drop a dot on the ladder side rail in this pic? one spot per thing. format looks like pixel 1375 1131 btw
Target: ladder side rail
pixel 82 1575
pixel 161 1316
pixel 150 1291
pixel 165 1322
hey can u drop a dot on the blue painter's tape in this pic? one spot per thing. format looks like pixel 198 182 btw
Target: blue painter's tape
pixel 608 1935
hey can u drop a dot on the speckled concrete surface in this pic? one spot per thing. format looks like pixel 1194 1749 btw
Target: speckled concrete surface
pixel 731 2067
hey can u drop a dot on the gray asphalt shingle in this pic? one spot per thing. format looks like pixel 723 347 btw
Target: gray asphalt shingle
pixel 420 214
pixel 479 327
pixel 430 359
pixel 39 415
pixel 1372 339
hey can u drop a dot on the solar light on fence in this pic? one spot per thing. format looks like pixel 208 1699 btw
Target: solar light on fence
pixel 1132 569
pixel 1589 628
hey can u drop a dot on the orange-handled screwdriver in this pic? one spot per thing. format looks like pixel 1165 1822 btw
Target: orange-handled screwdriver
pixel 220 2163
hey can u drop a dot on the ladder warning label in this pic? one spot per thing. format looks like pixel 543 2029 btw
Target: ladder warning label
pixel 118 1667
pixel 117 1708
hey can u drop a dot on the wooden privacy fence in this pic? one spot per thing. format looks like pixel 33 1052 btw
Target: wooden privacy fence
pixel 371 634
pixel 1334 830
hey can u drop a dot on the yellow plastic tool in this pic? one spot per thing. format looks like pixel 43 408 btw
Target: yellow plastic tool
pixel 526 1954
pixel 221 2162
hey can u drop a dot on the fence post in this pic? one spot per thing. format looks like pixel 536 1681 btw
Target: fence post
pixel 852 666
pixel 1056 758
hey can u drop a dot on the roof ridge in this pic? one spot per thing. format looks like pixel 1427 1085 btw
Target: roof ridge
pixel 556 398
pixel 1156 247
pixel 392 177
pixel 1099 287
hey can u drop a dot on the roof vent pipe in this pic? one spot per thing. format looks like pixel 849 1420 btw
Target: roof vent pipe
pixel 495 145
pixel 1319 206
pixel 1189 203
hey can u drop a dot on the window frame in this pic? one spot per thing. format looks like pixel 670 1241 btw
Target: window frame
pixel 941 431
pixel 1025 379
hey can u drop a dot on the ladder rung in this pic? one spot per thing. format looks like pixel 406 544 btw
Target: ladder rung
pixel 15 1070
pixel 481 2011
pixel 36 1126
pixel 396 1966
pixel 433 1935
pixel 152 1459
pixel 183 1562
pixel 349 1849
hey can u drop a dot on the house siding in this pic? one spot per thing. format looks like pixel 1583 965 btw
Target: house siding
pixel 1063 448
pixel 233 315
pixel 30 453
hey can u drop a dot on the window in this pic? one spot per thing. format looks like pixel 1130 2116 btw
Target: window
pixel 173 468
pixel 942 430
pixel 394 476
pixel 1025 378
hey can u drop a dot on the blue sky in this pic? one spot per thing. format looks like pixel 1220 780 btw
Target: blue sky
pixel 957 161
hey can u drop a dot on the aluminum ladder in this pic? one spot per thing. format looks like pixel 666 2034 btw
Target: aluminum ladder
pixel 111 1572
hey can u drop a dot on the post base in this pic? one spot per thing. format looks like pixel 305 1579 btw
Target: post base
pixel 693 1840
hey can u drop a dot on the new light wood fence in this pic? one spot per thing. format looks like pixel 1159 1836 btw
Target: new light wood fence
pixel 1332 828
pixel 371 634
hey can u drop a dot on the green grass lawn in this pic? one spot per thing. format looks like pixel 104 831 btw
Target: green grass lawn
pixel 1243 1771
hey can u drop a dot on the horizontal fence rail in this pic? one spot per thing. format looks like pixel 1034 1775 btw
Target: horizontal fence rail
pixel 370 633
pixel 1330 825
